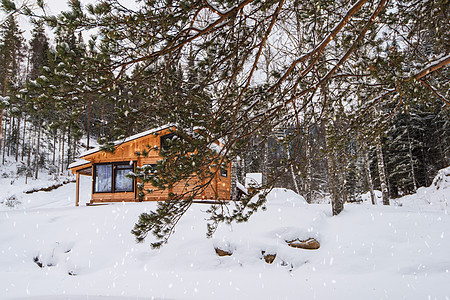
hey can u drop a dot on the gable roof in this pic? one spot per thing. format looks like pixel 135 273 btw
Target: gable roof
pixel 128 139
pixel 79 162
pixel 217 147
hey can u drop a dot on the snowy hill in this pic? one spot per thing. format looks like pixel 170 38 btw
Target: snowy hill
pixel 52 250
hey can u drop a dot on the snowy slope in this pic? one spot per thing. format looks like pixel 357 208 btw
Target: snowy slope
pixel 375 252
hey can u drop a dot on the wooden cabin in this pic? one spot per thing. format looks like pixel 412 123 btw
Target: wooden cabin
pixel 108 171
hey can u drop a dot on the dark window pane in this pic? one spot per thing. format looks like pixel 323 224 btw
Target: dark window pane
pixel 224 172
pixel 122 182
pixel 103 178
pixel 167 140
pixel 123 166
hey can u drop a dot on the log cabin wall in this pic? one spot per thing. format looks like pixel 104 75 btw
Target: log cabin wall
pixel 224 184
pixel 219 188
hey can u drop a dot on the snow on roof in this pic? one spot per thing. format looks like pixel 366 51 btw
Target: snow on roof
pixel 130 138
pixel 78 162
pixel 241 187
pixel 253 179
pixel 213 146
pixel 216 146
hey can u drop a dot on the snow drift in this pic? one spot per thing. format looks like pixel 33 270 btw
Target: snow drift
pixel 52 250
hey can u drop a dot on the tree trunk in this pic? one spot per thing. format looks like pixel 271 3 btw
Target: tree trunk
pixel 24 138
pixel 102 130
pixel 243 169
pixel 54 147
pixel 11 134
pixel 343 184
pixel 265 162
pixel 308 180
pixel 18 140
pixel 337 202
pixel 4 142
pixel 233 180
pixel 1 128
pixel 411 161
pixel 59 152
pixel 291 168
pixel 36 171
pixel 5 81
pixel 75 147
pixel 31 146
pixel 69 146
pixel 444 161
pixel 294 179
pixel 381 172
pixel 88 122
pixel 62 152
pixel 368 175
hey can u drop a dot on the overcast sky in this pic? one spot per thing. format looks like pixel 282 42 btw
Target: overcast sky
pixel 56 6
pixel 52 7
pixel 59 5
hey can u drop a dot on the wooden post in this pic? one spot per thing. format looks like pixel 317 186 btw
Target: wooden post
pixel 77 192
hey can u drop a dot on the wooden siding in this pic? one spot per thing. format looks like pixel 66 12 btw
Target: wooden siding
pixel 219 188
pixel 112 197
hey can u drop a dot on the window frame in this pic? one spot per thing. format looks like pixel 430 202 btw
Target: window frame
pixel 113 179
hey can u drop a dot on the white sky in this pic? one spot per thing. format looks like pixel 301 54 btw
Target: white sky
pixel 55 7
pixel 52 7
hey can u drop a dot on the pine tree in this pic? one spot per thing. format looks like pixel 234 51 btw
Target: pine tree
pixel 333 56
pixel 56 89
pixel 11 56
pixel 39 50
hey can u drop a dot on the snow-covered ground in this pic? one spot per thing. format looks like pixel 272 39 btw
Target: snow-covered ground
pixel 367 252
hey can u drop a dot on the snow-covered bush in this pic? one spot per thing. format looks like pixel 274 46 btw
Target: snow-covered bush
pixel 23 169
pixel 53 170
pixel 442 179
pixel 11 201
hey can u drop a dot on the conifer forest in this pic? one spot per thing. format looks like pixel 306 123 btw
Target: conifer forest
pixel 328 98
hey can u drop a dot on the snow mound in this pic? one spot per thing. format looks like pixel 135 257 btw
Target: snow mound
pixel 285 197
pixel 253 180
pixel 53 250
pixel 442 179
pixel 365 198
pixel 432 198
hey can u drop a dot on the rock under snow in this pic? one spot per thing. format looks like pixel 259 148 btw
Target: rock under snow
pixel 221 252
pixel 309 244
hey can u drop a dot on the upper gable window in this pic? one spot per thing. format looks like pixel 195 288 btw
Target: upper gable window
pixel 167 140
pixel 224 172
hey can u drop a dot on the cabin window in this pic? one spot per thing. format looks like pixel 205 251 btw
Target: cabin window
pixel 111 178
pixel 166 140
pixel 224 172
pixel 103 178
pixel 122 182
